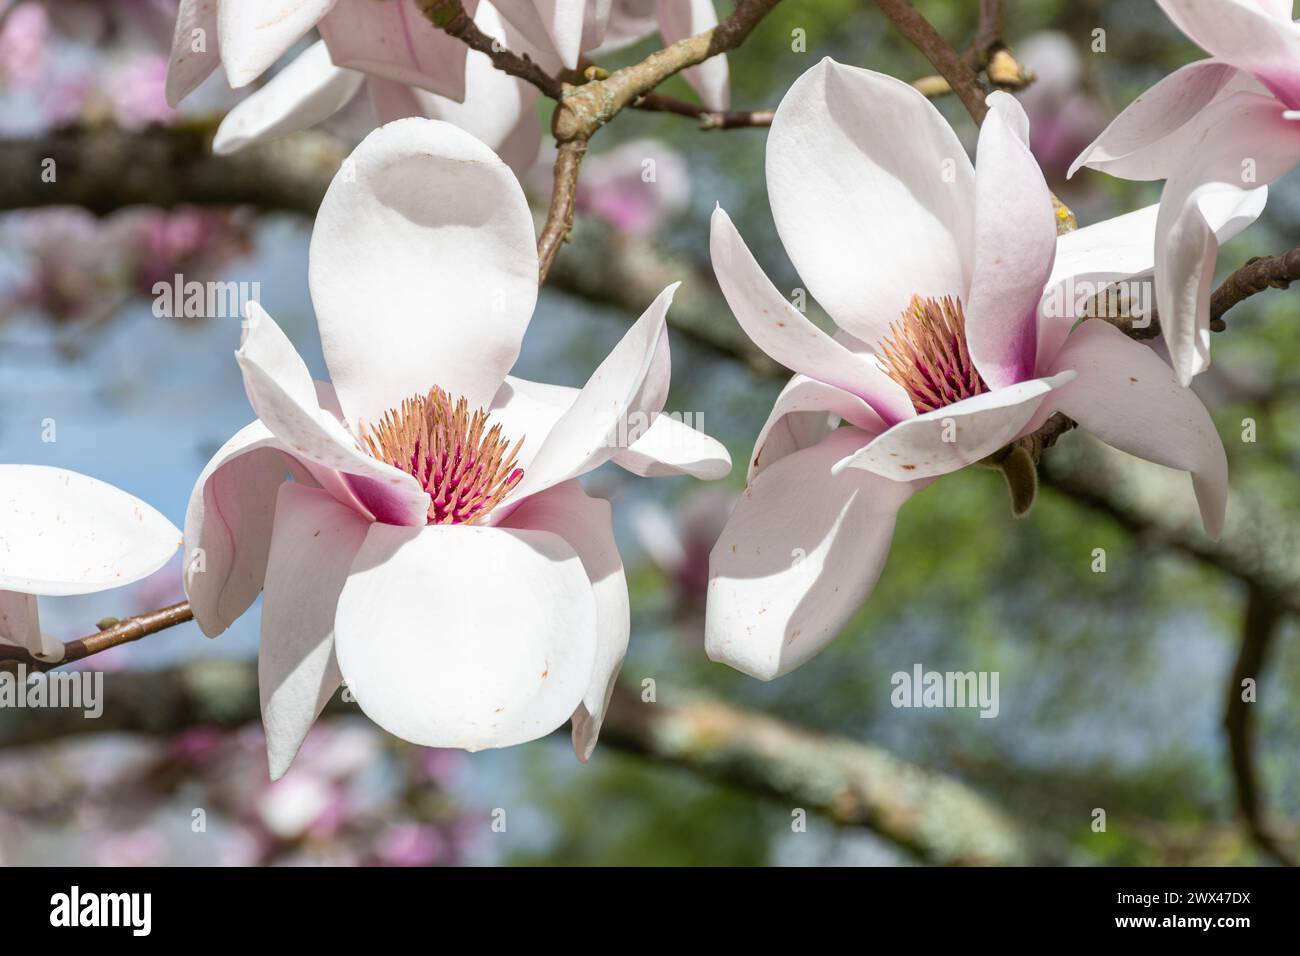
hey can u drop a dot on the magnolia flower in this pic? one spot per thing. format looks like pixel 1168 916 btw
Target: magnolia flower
pixel 934 271
pixel 497 108
pixel 1215 130
pixel 574 27
pixel 434 550
pixel 66 533
pixel 1063 115
pixel 390 39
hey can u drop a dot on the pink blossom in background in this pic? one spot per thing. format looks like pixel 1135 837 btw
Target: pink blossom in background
pixel 1063 115
pixel 410 844
pixel 136 92
pixel 24 39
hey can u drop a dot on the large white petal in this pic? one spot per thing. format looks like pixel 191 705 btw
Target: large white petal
pixel 802 551
pixel 564 21
pixel 672 446
pixel 1127 396
pixel 1243 142
pixel 956 435
pixel 62 532
pixel 313 543
pixel 308 91
pixel 281 391
pixel 196 26
pixel 256 33
pixel 462 636
pixel 423 269
pixel 679 19
pixel 394 40
pixel 1148 139
pixel 1015 243
pixel 787 335
pixel 585 524
pixel 872 194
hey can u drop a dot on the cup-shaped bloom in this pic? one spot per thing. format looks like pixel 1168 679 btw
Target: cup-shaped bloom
pixel 951 344
pixel 1217 131
pixel 434 549
pixel 64 533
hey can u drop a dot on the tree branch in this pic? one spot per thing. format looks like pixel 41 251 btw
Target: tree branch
pixel 961 77
pixel 1260 624
pixel 564 193
pixel 121 632
pixel 936 817
pixel 450 15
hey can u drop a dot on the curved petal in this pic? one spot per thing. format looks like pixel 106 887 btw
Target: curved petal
pixel 313 543
pixel 308 91
pixel 787 335
pixel 187 67
pixel 68 533
pixel 20 626
pixel 1147 140
pixel 422 268
pixel 228 526
pixel 679 19
pixel 804 413
pixel 629 386
pixel 1244 141
pixel 872 194
pixel 256 33
pixel 670 446
pixel 1253 35
pixel 394 40
pixel 283 395
pixel 1015 244
pixel 461 636
pixel 956 435
pixel 1127 396
pixel 585 524
pixel 800 554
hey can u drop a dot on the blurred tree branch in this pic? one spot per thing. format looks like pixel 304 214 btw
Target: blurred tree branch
pixel 1261 619
pixel 936 817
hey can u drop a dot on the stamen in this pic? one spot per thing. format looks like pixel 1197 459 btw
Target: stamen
pixel 926 353
pixel 465 467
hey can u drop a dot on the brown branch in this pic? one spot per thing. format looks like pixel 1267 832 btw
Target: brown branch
pixel 709 119
pixel 1258 274
pixel 450 15
pixel 121 632
pixel 938 818
pixel 1260 624
pixel 564 193
pixel 961 76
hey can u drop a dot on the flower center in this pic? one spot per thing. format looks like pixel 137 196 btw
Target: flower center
pixel 466 467
pixel 926 353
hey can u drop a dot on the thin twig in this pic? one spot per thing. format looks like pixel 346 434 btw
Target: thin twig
pixel 709 119
pixel 123 632
pixel 450 16
pixel 961 77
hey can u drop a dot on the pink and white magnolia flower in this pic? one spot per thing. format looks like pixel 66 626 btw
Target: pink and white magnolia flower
pixel 64 533
pixel 1215 130
pixel 494 106
pixel 386 38
pixel 435 549
pixel 935 272
pixel 574 27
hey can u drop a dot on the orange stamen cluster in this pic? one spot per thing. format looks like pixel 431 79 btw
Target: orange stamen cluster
pixel 926 353
pixel 466 467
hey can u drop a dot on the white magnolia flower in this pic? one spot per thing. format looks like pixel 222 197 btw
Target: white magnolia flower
pixel 935 272
pixel 434 549
pixel 574 27
pixel 494 106
pixel 66 533
pixel 1216 131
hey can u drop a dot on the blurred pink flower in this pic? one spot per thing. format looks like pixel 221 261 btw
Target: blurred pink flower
pixel 1064 117
pixel 136 92
pixel 410 844
pixel 24 40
